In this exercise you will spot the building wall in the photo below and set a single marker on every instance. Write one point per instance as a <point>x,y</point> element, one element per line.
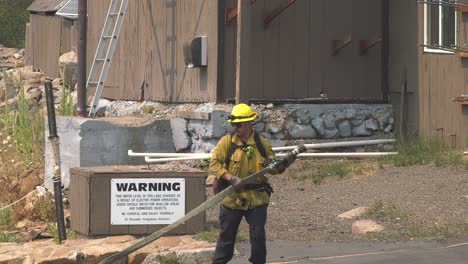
<point>292,57</point>
<point>442,76</point>
<point>44,43</point>
<point>403,63</point>
<point>148,62</point>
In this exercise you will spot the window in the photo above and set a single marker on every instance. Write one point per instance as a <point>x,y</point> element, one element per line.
<point>440,26</point>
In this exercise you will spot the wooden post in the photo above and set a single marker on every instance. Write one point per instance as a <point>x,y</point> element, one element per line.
<point>242,50</point>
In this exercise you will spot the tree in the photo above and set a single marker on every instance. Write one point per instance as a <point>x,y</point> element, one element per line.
<point>13,19</point>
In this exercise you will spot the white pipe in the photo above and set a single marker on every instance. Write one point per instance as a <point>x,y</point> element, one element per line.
<point>302,155</point>
<point>161,155</point>
<point>161,160</point>
<point>343,154</point>
<point>339,144</point>
<point>308,146</point>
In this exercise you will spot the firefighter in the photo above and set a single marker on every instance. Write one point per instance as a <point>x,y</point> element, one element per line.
<point>237,156</point>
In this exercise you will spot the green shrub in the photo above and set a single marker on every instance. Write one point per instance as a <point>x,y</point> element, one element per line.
<point>45,208</point>
<point>6,237</point>
<point>25,126</point>
<point>7,222</point>
<point>52,229</point>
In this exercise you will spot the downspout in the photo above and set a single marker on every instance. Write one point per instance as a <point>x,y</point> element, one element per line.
<point>220,94</point>
<point>385,49</point>
<point>82,39</point>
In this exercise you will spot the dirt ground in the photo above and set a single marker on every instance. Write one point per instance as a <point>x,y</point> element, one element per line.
<point>424,199</point>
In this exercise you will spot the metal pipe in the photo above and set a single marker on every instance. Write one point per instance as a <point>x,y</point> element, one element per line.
<point>339,144</point>
<point>308,146</point>
<point>82,40</point>
<point>343,154</point>
<point>162,155</point>
<point>302,155</point>
<point>55,161</point>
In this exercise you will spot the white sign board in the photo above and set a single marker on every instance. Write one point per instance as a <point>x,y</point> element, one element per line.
<point>147,201</point>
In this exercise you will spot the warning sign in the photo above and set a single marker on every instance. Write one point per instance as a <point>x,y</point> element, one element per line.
<point>144,201</point>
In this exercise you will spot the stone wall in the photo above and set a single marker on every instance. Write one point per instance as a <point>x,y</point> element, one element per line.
<point>298,122</point>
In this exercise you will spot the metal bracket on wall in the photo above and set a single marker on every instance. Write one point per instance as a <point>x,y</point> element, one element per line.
<point>231,13</point>
<point>338,45</point>
<point>365,45</point>
<point>278,10</point>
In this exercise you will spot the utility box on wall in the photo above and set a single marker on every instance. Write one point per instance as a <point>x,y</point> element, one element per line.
<point>135,200</point>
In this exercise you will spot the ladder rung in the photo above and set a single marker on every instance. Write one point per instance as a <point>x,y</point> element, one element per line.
<point>109,37</point>
<point>94,83</point>
<point>116,14</point>
<point>102,60</point>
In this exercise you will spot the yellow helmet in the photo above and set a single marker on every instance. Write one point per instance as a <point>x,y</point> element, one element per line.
<point>242,113</point>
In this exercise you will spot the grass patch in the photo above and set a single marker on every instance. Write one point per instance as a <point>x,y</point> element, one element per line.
<point>6,237</point>
<point>52,229</point>
<point>147,109</point>
<point>410,152</point>
<point>212,236</point>
<point>45,209</point>
<point>22,135</point>
<point>169,259</point>
<point>67,106</point>
<point>386,213</point>
<point>319,171</point>
<point>418,152</point>
<point>401,225</point>
<point>7,222</point>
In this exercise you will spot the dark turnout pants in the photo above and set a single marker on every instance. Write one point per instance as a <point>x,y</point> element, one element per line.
<point>229,221</point>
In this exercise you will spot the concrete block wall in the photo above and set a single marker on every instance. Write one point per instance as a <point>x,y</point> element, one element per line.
<point>93,142</point>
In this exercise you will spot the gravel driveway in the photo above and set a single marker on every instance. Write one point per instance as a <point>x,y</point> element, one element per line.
<point>301,210</point>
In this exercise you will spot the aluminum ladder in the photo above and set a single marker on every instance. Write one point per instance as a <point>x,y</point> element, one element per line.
<point>106,47</point>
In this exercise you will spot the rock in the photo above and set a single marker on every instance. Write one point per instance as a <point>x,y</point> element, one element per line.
<point>17,56</point>
<point>329,121</point>
<point>317,124</point>
<point>103,104</point>
<point>353,213</point>
<point>180,135</point>
<point>350,113</point>
<point>34,94</point>
<point>345,128</point>
<point>259,127</point>
<point>68,68</point>
<point>302,132</point>
<point>279,136</point>
<point>265,135</point>
<point>361,130</point>
<point>371,124</point>
<point>27,235</point>
<point>388,129</point>
<point>269,106</point>
<point>303,117</point>
<point>24,223</point>
<point>272,128</point>
<point>366,226</point>
<point>331,133</point>
<point>357,121</point>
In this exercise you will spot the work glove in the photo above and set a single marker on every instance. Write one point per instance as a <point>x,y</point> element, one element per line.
<point>236,183</point>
